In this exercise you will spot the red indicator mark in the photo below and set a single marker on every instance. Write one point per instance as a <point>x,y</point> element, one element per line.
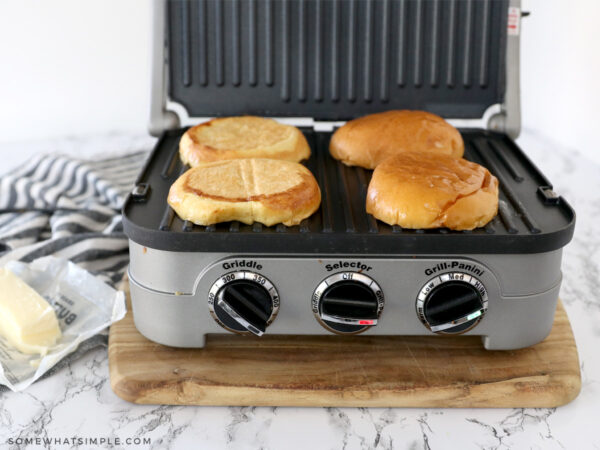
<point>365,322</point>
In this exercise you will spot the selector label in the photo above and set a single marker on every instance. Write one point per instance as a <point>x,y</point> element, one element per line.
<point>361,267</point>
<point>454,265</point>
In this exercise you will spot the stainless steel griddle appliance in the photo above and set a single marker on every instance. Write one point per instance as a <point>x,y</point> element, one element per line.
<point>317,63</point>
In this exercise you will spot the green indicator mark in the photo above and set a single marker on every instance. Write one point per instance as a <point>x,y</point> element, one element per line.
<point>474,315</point>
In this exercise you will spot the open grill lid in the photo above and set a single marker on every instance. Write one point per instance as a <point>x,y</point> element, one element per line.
<point>334,60</point>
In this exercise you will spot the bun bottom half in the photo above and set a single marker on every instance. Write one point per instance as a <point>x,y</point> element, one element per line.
<point>247,190</point>
<point>240,138</point>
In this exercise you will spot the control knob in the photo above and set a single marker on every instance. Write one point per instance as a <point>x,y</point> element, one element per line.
<point>243,302</point>
<point>452,303</point>
<point>347,302</point>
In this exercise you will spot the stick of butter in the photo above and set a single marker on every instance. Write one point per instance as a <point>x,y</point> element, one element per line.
<point>27,321</point>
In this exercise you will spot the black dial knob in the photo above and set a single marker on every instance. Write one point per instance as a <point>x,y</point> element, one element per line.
<point>452,303</point>
<point>244,302</point>
<point>348,302</point>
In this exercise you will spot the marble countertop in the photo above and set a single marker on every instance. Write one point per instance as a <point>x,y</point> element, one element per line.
<point>77,402</point>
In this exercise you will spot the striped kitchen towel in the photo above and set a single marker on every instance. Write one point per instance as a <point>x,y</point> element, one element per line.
<point>67,207</point>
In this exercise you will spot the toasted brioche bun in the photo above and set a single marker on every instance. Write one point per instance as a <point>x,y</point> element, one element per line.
<point>268,191</point>
<point>424,190</point>
<point>242,137</point>
<point>368,140</point>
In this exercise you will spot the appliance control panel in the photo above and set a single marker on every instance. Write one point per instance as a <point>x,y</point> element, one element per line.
<point>508,301</point>
<point>346,296</point>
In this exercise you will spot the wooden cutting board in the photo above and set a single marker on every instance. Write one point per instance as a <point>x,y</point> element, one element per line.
<point>345,371</point>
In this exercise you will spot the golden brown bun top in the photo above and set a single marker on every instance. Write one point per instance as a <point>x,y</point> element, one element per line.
<point>424,190</point>
<point>369,140</point>
<point>438,175</point>
<point>242,137</point>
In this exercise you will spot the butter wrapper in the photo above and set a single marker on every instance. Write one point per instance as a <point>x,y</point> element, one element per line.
<point>84,306</point>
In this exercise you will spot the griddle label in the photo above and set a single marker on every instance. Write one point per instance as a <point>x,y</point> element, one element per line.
<point>361,267</point>
<point>236,264</point>
<point>454,265</point>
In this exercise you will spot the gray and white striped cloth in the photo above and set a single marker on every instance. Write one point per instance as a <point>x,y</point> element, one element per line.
<point>68,207</point>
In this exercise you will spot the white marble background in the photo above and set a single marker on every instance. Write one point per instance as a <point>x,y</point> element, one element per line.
<point>78,401</point>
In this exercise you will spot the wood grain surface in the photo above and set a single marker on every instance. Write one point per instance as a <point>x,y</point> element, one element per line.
<point>332,370</point>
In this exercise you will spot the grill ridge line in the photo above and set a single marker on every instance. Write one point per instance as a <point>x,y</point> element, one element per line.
<point>323,181</point>
<point>508,191</point>
<point>362,183</point>
<point>169,214</point>
<point>503,211</point>
<point>347,204</point>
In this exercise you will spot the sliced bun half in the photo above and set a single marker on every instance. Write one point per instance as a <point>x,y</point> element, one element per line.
<point>242,137</point>
<point>268,191</point>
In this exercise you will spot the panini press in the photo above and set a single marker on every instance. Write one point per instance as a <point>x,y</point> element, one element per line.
<point>317,64</point>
